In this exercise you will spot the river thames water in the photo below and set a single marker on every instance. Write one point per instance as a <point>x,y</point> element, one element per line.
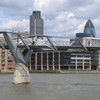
<point>52,87</point>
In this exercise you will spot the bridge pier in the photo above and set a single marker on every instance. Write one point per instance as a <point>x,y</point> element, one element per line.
<point>21,74</point>
<point>97,58</point>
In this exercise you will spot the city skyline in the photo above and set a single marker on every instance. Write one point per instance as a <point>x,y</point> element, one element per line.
<point>66,18</point>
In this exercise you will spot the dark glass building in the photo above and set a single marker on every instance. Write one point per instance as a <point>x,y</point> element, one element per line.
<point>89,30</point>
<point>36,23</point>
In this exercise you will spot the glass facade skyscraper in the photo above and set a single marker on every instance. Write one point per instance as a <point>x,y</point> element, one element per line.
<point>89,30</point>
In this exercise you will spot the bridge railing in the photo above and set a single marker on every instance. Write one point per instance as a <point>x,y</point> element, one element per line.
<point>91,42</point>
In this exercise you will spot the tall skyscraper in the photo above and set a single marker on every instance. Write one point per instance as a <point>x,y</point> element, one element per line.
<point>89,30</point>
<point>36,23</point>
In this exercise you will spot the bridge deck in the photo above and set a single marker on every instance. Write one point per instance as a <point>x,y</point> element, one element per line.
<point>58,47</point>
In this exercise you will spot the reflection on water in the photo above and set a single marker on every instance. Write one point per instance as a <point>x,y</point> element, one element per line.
<point>52,87</point>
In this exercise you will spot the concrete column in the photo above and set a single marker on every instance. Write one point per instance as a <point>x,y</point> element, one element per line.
<point>59,60</point>
<point>36,61</point>
<point>41,61</point>
<point>76,63</point>
<point>90,64</point>
<point>47,62</point>
<point>6,60</point>
<point>97,56</point>
<point>53,62</point>
<point>83,62</point>
<point>68,67</point>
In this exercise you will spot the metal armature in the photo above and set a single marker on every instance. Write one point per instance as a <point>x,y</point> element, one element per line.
<point>21,73</point>
<point>77,39</point>
<point>48,39</point>
<point>54,47</point>
<point>82,45</point>
<point>18,57</point>
<point>26,45</point>
<point>2,45</point>
<point>51,43</point>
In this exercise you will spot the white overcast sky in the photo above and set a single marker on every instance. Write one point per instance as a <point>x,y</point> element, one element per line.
<point>61,17</point>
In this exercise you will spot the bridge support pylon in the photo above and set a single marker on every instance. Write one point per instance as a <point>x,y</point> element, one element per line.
<point>21,74</point>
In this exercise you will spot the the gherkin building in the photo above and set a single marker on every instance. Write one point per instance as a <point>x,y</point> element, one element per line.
<point>89,29</point>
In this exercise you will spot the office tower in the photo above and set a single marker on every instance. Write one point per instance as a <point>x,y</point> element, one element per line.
<point>89,30</point>
<point>36,23</point>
